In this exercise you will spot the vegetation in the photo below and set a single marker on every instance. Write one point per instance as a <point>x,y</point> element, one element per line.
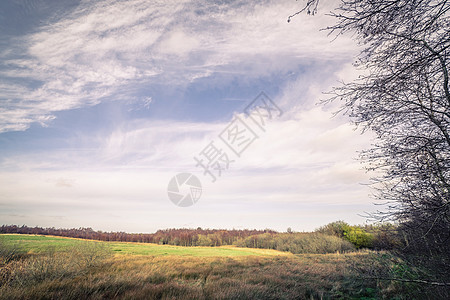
<point>37,244</point>
<point>96,271</point>
<point>298,243</point>
<point>334,237</point>
<point>403,97</point>
<point>380,237</point>
<point>178,237</point>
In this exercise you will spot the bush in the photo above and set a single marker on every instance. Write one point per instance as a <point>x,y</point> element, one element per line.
<point>297,243</point>
<point>385,236</point>
<point>359,236</point>
<point>317,243</point>
<point>334,228</point>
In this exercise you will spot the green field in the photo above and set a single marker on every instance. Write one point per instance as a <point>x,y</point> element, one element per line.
<point>47,267</point>
<point>42,244</point>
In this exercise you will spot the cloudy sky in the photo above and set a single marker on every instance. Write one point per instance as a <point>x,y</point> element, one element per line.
<point>103,102</point>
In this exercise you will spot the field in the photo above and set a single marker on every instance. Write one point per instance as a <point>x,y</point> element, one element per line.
<point>45,267</point>
<point>42,244</point>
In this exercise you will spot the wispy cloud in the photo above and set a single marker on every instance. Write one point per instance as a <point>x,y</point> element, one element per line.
<point>298,164</point>
<point>109,50</point>
<point>146,56</point>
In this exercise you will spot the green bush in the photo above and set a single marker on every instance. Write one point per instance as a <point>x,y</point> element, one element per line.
<point>358,237</point>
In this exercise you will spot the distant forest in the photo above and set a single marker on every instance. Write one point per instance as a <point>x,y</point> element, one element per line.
<point>179,237</point>
<point>333,237</point>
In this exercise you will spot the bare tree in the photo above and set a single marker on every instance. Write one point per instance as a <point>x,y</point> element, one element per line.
<point>404,99</point>
<point>310,7</point>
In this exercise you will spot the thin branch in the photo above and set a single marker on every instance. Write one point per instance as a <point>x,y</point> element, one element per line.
<point>411,280</point>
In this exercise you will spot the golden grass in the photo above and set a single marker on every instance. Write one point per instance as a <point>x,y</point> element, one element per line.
<point>267,274</point>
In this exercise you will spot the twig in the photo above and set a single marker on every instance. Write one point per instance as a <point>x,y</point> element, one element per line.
<point>412,280</point>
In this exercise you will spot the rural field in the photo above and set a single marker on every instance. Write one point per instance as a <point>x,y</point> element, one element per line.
<point>276,149</point>
<point>47,267</point>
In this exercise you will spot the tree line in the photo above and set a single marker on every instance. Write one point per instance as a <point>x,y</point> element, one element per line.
<point>333,237</point>
<point>178,237</point>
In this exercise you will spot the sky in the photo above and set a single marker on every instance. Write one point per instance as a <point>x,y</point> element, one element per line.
<point>102,103</point>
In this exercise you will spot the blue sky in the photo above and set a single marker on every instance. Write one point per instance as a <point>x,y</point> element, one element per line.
<point>103,102</point>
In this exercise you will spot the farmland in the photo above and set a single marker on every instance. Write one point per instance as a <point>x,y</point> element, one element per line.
<point>43,244</point>
<point>46,267</point>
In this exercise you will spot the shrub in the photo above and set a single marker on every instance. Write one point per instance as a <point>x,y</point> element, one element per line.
<point>297,243</point>
<point>358,237</point>
<point>336,228</point>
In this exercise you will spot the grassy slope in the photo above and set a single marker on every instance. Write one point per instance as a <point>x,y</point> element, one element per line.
<point>40,243</point>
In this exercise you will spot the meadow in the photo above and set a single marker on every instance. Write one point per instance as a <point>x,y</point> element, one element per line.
<point>44,244</point>
<point>46,267</point>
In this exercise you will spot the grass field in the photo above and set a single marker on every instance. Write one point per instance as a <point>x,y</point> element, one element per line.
<point>42,244</point>
<point>45,267</point>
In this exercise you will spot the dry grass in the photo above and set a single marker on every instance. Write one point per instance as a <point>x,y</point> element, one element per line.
<point>92,273</point>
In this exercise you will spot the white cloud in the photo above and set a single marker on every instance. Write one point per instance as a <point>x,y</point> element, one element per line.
<point>179,43</point>
<point>106,51</point>
<point>297,165</point>
<point>104,48</point>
